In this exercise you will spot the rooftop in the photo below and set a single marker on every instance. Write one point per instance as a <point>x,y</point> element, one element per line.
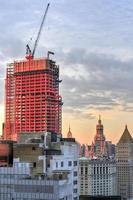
<point>126,137</point>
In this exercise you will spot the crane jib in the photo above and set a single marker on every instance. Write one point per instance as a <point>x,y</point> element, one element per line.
<point>29,53</point>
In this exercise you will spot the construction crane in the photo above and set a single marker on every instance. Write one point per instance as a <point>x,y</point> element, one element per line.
<point>30,54</point>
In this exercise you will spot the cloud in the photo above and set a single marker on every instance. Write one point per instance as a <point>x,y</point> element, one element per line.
<point>93,76</point>
<point>96,81</point>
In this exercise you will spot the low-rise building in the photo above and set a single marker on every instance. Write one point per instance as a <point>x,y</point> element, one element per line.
<point>16,183</point>
<point>44,168</point>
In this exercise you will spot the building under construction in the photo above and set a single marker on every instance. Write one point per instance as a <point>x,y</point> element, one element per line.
<point>32,100</point>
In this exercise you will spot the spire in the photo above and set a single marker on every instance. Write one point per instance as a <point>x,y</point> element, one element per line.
<point>69,128</point>
<point>99,117</point>
<point>99,121</point>
<point>126,137</point>
<point>99,131</point>
<point>99,127</point>
<point>69,134</point>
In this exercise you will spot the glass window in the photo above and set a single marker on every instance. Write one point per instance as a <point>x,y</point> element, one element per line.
<point>75,163</point>
<point>69,163</point>
<point>75,182</point>
<point>56,164</point>
<point>75,190</point>
<point>34,148</point>
<point>81,170</point>
<point>34,164</point>
<point>62,164</point>
<point>86,170</point>
<point>75,173</point>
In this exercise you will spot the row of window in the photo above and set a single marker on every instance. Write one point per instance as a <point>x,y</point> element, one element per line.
<point>75,163</point>
<point>96,170</point>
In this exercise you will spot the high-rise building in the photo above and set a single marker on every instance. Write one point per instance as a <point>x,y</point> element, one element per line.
<point>124,159</point>
<point>99,140</point>
<point>110,149</point>
<point>82,150</point>
<point>100,147</point>
<point>97,177</point>
<point>32,100</point>
<point>97,148</point>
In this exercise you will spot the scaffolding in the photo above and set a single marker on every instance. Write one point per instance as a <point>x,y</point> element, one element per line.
<point>33,103</point>
<point>9,102</point>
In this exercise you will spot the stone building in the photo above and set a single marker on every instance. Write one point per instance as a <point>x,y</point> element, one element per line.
<point>97,177</point>
<point>124,158</point>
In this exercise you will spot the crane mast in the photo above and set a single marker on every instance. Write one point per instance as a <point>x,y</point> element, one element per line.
<point>30,54</point>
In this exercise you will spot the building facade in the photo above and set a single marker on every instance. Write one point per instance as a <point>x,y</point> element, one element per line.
<point>16,184</point>
<point>85,197</point>
<point>97,177</point>
<point>32,100</point>
<point>124,159</point>
<point>68,161</point>
<point>6,153</point>
<point>45,167</point>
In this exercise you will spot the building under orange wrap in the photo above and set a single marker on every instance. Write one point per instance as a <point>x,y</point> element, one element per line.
<point>32,100</point>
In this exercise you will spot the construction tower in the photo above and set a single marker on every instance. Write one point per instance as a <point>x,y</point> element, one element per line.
<point>32,100</point>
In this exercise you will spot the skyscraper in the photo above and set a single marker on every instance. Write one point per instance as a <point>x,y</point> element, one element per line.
<point>32,100</point>
<point>99,139</point>
<point>124,158</point>
<point>98,147</point>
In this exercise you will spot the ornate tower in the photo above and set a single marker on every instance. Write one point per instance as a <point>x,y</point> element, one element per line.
<point>69,134</point>
<point>98,148</point>
<point>99,139</point>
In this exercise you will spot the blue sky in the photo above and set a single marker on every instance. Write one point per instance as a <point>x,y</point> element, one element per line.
<point>93,44</point>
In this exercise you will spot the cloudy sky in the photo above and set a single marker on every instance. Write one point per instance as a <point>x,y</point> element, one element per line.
<point>93,44</point>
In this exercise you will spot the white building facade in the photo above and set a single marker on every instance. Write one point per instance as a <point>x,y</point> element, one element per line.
<point>97,177</point>
<point>57,181</point>
<point>68,161</point>
<point>16,184</point>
